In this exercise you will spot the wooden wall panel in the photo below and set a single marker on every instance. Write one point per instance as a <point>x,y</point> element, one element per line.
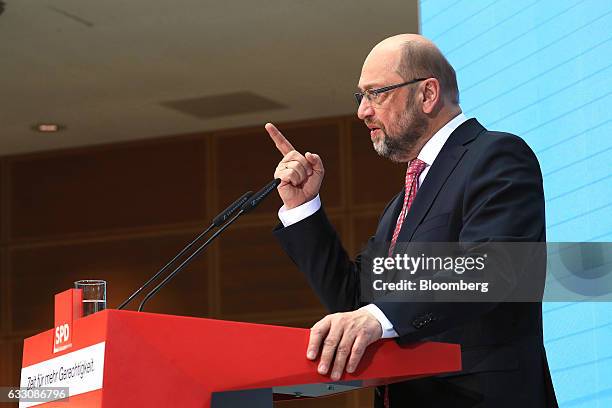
<point>374,179</point>
<point>39,272</point>
<point>4,220</point>
<point>100,189</point>
<point>10,362</point>
<point>246,160</point>
<point>258,277</point>
<point>4,294</point>
<point>5,364</point>
<point>15,350</point>
<point>306,321</point>
<point>120,212</point>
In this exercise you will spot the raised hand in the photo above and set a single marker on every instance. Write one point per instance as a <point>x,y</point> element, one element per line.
<point>301,175</point>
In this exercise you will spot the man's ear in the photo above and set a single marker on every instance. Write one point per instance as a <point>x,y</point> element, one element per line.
<point>430,92</point>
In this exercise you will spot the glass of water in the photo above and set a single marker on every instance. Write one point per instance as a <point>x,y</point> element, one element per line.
<point>94,295</point>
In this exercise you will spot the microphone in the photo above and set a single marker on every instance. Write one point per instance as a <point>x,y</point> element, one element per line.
<point>251,203</point>
<point>260,195</point>
<point>232,208</point>
<point>216,222</point>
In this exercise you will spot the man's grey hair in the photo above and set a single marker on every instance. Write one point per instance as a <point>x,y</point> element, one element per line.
<point>420,60</point>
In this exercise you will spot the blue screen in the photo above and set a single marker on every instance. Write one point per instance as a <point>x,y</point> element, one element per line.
<point>543,70</point>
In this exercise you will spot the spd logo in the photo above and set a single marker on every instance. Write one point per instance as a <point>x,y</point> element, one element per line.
<point>62,338</point>
<point>67,309</point>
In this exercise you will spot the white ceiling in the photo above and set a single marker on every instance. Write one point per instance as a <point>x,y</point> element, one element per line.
<point>103,68</point>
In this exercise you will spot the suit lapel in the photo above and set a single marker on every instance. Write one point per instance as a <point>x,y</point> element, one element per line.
<point>443,166</point>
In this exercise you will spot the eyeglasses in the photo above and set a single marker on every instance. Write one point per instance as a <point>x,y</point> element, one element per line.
<point>373,95</point>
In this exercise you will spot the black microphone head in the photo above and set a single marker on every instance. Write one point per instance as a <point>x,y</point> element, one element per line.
<point>260,195</point>
<point>232,208</point>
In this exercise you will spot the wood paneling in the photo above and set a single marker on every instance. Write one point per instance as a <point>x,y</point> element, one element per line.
<point>10,361</point>
<point>305,322</point>
<point>15,350</point>
<point>4,294</point>
<point>120,212</point>
<point>39,272</point>
<point>100,189</point>
<point>374,179</point>
<point>258,277</point>
<point>4,219</point>
<point>5,365</point>
<point>246,160</point>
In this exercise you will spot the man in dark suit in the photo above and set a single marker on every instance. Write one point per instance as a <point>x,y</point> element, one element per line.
<point>463,184</point>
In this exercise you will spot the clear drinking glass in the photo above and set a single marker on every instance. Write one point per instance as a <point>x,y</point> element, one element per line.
<point>94,295</point>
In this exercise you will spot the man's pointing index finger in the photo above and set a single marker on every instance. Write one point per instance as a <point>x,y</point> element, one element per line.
<point>282,144</point>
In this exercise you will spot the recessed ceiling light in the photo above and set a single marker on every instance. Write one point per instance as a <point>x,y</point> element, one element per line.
<point>48,127</point>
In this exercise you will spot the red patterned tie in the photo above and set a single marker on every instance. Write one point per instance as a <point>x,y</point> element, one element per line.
<point>415,168</point>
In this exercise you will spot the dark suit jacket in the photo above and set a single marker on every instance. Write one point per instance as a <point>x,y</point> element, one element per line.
<point>483,187</point>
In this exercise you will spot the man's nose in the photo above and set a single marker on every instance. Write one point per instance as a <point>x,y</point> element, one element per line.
<point>365,109</point>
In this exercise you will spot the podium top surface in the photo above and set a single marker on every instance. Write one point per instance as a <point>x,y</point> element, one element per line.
<point>201,355</point>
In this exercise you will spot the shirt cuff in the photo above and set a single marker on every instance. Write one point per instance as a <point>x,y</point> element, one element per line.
<point>299,213</point>
<point>387,327</point>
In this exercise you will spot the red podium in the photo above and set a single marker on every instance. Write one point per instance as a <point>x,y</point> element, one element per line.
<point>129,359</point>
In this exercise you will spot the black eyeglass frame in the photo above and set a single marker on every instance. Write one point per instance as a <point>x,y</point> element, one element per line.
<point>359,95</point>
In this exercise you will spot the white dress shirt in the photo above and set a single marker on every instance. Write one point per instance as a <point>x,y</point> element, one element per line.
<point>428,154</point>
